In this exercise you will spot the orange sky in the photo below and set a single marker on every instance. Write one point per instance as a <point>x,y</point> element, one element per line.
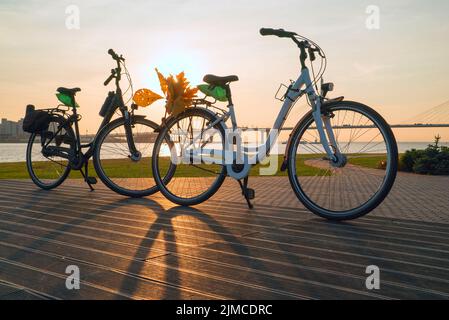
<point>400,69</point>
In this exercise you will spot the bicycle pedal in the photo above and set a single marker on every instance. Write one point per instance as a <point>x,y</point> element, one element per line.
<point>91,180</point>
<point>250,193</point>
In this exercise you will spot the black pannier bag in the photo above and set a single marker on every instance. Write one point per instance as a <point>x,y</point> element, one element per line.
<point>36,121</point>
<point>108,104</point>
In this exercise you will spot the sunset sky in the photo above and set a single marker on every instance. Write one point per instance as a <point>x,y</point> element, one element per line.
<point>401,69</point>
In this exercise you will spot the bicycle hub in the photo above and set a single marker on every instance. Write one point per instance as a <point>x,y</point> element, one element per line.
<point>340,162</point>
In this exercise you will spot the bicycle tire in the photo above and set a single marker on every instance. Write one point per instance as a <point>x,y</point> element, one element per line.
<point>164,131</point>
<point>29,162</point>
<point>388,180</point>
<point>101,172</point>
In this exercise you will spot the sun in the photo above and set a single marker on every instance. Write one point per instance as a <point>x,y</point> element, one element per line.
<point>173,61</point>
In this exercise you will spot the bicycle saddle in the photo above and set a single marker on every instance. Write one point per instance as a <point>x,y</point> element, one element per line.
<point>219,81</point>
<point>70,92</point>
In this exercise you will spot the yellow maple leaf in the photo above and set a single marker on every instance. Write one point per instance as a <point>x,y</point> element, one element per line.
<point>177,91</point>
<point>162,81</point>
<point>178,106</point>
<point>145,97</point>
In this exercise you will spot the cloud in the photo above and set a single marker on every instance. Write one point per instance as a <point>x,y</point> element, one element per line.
<point>369,69</point>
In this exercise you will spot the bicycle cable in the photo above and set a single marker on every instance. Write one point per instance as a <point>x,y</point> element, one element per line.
<point>323,65</point>
<point>130,86</point>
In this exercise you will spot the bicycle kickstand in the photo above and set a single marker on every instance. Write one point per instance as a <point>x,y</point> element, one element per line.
<point>248,193</point>
<point>89,180</point>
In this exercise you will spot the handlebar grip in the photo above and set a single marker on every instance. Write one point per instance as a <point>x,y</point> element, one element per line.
<point>109,79</point>
<point>113,54</point>
<point>281,33</point>
<point>266,31</point>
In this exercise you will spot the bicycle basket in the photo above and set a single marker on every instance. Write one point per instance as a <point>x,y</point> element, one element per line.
<point>216,92</point>
<point>36,121</point>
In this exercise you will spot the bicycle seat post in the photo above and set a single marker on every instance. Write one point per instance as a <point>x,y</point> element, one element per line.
<point>228,94</point>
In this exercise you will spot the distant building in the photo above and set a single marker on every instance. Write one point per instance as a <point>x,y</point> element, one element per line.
<point>11,130</point>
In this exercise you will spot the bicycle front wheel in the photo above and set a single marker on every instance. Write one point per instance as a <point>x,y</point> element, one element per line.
<point>196,137</point>
<point>361,180</point>
<point>117,169</point>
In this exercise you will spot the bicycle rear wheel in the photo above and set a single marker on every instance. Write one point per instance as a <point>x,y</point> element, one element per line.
<point>47,170</point>
<point>358,184</point>
<point>114,164</point>
<point>195,179</point>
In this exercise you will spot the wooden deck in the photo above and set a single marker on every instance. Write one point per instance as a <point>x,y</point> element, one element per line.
<point>150,249</point>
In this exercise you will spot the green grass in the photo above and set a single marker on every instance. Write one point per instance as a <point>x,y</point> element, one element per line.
<point>13,170</point>
<point>368,162</point>
<point>124,168</point>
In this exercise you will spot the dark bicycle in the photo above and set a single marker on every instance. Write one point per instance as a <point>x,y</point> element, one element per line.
<point>121,149</point>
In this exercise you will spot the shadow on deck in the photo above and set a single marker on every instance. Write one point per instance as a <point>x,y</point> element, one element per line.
<point>150,249</point>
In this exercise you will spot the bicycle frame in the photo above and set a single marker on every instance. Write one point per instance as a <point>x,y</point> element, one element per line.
<point>294,92</point>
<point>73,119</point>
<point>114,104</point>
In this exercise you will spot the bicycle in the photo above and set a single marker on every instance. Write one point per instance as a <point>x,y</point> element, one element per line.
<point>341,156</point>
<point>121,148</point>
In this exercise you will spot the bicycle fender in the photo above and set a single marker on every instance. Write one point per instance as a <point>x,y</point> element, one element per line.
<point>171,118</point>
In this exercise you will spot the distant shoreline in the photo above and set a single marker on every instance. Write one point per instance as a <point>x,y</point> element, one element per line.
<point>25,140</point>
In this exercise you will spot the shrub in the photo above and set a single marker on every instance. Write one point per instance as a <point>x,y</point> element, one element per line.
<point>433,160</point>
<point>409,158</point>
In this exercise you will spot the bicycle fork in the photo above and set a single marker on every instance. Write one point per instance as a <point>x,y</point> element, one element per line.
<point>135,155</point>
<point>327,137</point>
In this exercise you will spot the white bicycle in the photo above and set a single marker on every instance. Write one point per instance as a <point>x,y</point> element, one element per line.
<point>341,157</point>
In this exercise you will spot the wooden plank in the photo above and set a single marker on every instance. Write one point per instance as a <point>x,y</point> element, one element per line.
<point>149,248</point>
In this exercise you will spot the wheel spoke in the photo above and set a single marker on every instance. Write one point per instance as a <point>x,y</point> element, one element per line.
<point>114,162</point>
<point>192,180</point>
<point>48,171</point>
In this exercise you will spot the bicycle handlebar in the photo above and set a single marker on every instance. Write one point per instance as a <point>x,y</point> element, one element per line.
<point>115,56</point>
<point>115,73</point>
<point>281,33</point>
<point>302,45</point>
<point>112,76</point>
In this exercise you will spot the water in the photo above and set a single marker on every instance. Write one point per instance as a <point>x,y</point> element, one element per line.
<point>16,152</point>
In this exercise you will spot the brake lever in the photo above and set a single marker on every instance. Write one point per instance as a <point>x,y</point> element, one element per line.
<point>311,54</point>
<point>320,53</point>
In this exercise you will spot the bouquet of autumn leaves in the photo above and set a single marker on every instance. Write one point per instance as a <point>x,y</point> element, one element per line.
<point>178,94</point>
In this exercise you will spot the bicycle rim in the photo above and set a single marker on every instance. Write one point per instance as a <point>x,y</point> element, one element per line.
<point>115,165</point>
<point>196,178</point>
<point>49,171</point>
